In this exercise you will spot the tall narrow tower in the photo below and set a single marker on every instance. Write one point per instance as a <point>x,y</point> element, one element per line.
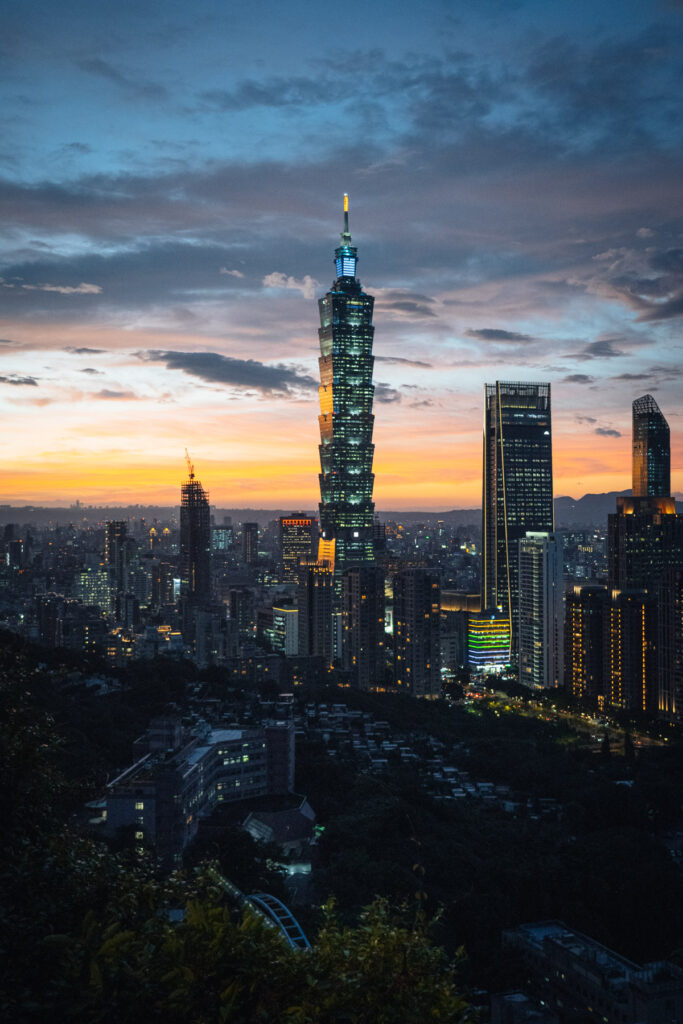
<point>518,487</point>
<point>195,541</point>
<point>346,419</point>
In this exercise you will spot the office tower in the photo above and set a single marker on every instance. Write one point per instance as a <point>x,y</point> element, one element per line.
<point>243,612</point>
<point>195,541</point>
<point>363,655</point>
<point>284,631</point>
<point>586,627</point>
<point>297,535</point>
<point>630,650</point>
<point>518,487</point>
<point>488,641</point>
<point>417,632</point>
<point>541,611</point>
<point>221,539</point>
<point>346,419</point>
<point>116,554</point>
<point>651,450</point>
<point>670,645</point>
<point>314,598</point>
<point>250,543</point>
<point>645,535</point>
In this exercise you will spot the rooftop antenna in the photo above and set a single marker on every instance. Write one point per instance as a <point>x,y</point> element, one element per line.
<point>190,467</point>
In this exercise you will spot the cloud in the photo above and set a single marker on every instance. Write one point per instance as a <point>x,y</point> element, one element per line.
<point>385,393</point>
<point>306,286</point>
<point>632,376</point>
<point>8,341</point>
<point>399,360</point>
<point>607,432</point>
<point>644,232</point>
<point>137,87</point>
<point>586,419</point>
<point>89,369</point>
<point>81,289</point>
<point>603,349</point>
<point>405,303</point>
<point>231,273</point>
<point>108,394</point>
<point>19,381</point>
<point>577,378</point>
<point>496,334</point>
<point>241,373</point>
<point>83,351</point>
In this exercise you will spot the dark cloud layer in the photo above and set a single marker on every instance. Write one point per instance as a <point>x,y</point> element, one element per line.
<point>19,381</point>
<point>607,432</point>
<point>496,334</point>
<point>240,373</point>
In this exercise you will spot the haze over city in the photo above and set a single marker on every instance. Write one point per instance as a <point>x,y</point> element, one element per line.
<point>171,196</point>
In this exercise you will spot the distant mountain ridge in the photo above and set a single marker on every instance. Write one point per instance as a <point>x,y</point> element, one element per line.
<point>589,511</point>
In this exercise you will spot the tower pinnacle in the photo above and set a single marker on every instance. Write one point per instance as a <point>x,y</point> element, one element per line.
<point>346,234</point>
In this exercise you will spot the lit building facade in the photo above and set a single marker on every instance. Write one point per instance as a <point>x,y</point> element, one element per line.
<point>346,419</point>
<point>314,598</point>
<point>541,611</point>
<point>417,632</point>
<point>363,654</point>
<point>250,543</point>
<point>670,645</point>
<point>586,626</point>
<point>631,651</point>
<point>651,468</point>
<point>518,487</point>
<point>488,641</point>
<point>296,541</point>
<point>195,541</point>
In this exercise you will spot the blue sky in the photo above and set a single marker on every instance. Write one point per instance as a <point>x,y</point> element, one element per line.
<point>170,190</point>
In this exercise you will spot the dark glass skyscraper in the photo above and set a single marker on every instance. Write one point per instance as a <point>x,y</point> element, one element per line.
<point>346,419</point>
<point>518,487</point>
<point>195,541</point>
<point>651,450</point>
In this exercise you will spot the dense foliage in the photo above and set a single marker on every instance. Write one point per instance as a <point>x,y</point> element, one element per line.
<point>94,937</point>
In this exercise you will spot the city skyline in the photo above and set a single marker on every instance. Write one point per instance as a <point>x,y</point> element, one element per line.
<point>167,207</point>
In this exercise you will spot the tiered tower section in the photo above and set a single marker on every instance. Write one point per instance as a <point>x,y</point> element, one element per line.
<point>346,419</point>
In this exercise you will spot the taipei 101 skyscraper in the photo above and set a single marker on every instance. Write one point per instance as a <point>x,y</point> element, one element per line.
<point>346,419</point>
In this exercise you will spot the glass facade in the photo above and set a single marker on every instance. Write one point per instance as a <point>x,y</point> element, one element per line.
<point>195,541</point>
<point>346,418</point>
<point>651,450</point>
<point>518,487</point>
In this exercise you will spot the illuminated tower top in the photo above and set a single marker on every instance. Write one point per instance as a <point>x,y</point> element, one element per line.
<point>346,255</point>
<point>651,450</point>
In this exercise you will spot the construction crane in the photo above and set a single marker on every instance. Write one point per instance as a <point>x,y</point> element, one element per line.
<point>190,467</point>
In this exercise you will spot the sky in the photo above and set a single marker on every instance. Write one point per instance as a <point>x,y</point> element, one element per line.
<point>171,183</point>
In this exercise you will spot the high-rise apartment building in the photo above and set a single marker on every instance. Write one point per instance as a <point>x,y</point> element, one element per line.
<point>670,645</point>
<point>541,611</point>
<point>346,419</point>
<point>363,655</point>
<point>586,627</point>
<point>630,650</point>
<point>116,554</point>
<point>417,632</point>
<point>250,543</point>
<point>195,542</point>
<point>518,487</point>
<point>314,598</point>
<point>297,535</point>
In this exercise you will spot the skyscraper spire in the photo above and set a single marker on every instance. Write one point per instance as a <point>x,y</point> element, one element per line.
<point>346,234</point>
<point>346,419</point>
